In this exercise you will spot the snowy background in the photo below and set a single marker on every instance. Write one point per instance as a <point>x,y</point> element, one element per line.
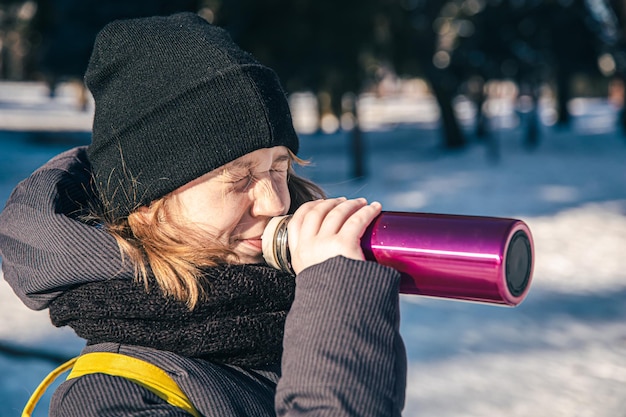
<point>562,352</point>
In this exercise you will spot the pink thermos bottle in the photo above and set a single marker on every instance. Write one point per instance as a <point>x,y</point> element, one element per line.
<point>472,258</point>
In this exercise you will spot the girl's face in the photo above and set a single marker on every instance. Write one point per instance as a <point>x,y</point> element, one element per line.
<point>233,203</point>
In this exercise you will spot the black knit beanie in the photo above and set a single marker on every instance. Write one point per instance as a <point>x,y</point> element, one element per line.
<point>175,98</point>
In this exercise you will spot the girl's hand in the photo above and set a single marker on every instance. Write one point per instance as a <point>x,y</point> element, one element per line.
<point>322,229</point>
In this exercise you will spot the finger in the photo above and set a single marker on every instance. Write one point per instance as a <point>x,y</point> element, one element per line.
<point>311,205</point>
<point>358,222</point>
<point>307,215</point>
<point>335,219</point>
<point>315,217</point>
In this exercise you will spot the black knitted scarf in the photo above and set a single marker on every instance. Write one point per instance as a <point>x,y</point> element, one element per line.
<point>240,322</point>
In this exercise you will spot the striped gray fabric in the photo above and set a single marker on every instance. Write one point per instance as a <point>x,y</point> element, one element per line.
<point>343,356</point>
<point>44,247</point>
<point>343,352</point>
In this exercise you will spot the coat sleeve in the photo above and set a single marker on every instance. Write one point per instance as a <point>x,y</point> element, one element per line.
<point>45,247</point>
<point>343,354</point>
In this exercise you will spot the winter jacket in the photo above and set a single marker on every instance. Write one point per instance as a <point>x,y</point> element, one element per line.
<point>342,351</point>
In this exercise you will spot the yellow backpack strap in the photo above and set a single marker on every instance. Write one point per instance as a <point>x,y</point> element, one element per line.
<point>136,370</point>
<point>39,391</point>
<point>140,372</point>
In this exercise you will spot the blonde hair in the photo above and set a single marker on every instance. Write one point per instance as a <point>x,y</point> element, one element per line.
<point>150,238</point>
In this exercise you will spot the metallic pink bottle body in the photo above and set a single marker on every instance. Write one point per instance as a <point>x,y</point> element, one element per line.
<point>472,258</point>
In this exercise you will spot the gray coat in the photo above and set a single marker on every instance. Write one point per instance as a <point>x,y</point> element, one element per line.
<point>343,354</point>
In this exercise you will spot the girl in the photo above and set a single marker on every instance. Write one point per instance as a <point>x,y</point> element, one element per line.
<point>147,243</point>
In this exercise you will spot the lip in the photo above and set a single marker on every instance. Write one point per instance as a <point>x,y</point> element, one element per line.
<point>254,242</point>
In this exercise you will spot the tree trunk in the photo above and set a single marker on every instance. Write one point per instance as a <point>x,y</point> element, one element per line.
<point>532,122</point>
<point>453,137</point>
<point>562,96</point>
<point>357,148</point>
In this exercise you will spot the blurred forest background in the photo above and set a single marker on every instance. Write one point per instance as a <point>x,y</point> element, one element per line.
<point>339,50</point>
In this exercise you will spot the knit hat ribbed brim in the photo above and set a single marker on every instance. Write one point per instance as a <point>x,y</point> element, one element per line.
<point>176,98</point>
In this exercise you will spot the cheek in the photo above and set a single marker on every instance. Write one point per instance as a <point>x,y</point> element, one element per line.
<point>213,212</point>
<point>221,215</point>
<point>285,195</point>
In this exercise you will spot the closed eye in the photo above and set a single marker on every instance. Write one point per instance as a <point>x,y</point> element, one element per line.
<point>281,164</point>
<point>243,175</point>
<point>246,181</point>
<point>239,182</point>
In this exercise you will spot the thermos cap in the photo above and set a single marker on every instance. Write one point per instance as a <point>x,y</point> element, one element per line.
<point>519,265</point>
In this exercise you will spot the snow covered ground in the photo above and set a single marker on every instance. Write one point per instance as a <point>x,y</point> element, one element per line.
<point>562,352</point>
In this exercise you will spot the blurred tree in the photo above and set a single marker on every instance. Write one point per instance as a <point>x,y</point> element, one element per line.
<point>420,30</point>
<point>469,42</point>
<point>337,47</point>
<point>64,31</point>
<point>610,16</point>
<point>341,48</point>
<point>15,30</point>
<point>51,40</point>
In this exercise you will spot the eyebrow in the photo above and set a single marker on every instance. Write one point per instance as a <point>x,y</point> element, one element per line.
<point>282,158</point>
<point>250,164</point>
<point>241,164</point>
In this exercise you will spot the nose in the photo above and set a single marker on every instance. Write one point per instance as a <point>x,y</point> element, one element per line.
<point>268,200</point>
